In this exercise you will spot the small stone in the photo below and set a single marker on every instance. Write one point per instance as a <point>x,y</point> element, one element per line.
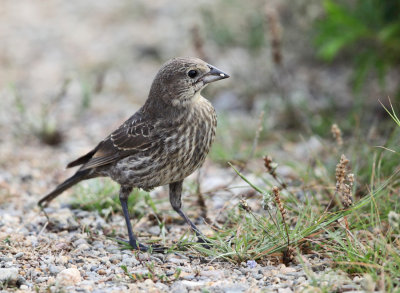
<point>178,287</point>
<point>19,255</point>
<point>299,280</point>
<point>94,268</point>
<point>284,277</point>
<point>186,276</point>
<point>213,274</point>
<point>101,272</point>
<point>21,281</point>
<point>54,269</point>
<point>63,259</point>
<point>130,262</point>
<point>144,256</point>
<point>258,276</point>
<point>69,277</point>
<point>357,279</point>
<point>234,289</point>
<point>114,259</point>
<point>178,261</point>
<point>83,246</point>
<point>79,242</point>
<point>367,283</point>
<point>9,275</point>
<point>41,279</point>
<point>285,270</point>
<point>349,287</point>
<point>285,290</point>
<point>275,280</point>
<point>193,284</point>
<point>23,287</point>
<point>63,220</point>
<point>154,230</point>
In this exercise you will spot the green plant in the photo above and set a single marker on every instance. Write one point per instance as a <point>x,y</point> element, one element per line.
<point>367,30</point>
<point>102,195</point>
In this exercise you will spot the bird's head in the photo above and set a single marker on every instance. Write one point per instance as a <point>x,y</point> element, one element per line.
<point>181,79</point>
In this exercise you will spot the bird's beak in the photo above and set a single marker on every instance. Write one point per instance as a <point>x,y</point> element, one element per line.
<point>213,75</point>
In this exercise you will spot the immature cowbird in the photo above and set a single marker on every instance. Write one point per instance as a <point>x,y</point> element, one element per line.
<point>162,143</point>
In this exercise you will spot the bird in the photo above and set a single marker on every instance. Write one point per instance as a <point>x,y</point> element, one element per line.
<point>164,142</point>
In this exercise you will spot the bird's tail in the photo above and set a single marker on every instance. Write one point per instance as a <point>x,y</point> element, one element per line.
<point>77,177</point>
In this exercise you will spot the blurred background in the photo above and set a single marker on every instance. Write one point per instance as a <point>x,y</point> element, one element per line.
<point>71,71</point>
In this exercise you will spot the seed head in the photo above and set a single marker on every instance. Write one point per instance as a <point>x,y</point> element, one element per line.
<point>344,182</point>
<point>337,134</point>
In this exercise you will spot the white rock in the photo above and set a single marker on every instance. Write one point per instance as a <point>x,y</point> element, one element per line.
<point>23,287</point>
<point>69,277</point>
<point>9,275</point>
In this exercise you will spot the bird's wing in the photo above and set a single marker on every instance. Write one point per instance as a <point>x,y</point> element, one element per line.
<point>135,135</point>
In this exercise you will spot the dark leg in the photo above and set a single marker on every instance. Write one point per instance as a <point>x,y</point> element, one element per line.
<point>175,192</point>
<point>123,197</point>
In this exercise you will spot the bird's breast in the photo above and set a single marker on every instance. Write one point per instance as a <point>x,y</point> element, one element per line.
<point>194,137</point>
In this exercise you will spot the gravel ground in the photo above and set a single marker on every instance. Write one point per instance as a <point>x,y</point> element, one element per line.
<point>71,253</point>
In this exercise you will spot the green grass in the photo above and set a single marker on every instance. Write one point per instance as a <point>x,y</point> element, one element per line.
<point>102,195</point>
<point>360,240</point>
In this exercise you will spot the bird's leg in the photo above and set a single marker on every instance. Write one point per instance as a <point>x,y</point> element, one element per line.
<point>133,241</point>
<point>175,192</point>
<point>123,198</point>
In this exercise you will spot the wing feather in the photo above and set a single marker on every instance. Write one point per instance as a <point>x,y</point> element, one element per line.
<point>134,136</point>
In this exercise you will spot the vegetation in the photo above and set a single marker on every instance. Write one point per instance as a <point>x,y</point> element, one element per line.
<point>368,31</point>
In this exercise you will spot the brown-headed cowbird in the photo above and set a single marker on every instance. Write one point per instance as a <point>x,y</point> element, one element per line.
<point>165,141</point>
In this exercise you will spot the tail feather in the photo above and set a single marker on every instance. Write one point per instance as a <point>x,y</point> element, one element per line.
<point>77,177</point>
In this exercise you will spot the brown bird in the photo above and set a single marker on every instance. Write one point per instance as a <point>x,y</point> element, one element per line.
<point>165,141</point>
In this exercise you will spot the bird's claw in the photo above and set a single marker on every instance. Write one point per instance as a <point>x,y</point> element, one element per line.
<point>144,248</point>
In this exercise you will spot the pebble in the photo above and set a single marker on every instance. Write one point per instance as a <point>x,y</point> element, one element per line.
<point>63,220</point>
<point>178,287</point>
<point>21,281</point>
<point>284,277</point>
<point>285,290</point>
<point>178,261</point>
<point>69,277</point>
<point>19,255</point>
<point>234,289</point>
<point>130,262</point>
<point>144,256</point>
<point>41,279</point>
<point>8,275</point>
<point>154,230</point>
<point>53,269</point>
<point>79,242</point>
<point>213,274</point>
<point>83,246</point>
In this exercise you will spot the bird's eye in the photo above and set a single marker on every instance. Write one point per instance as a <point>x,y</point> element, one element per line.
<point>192,73</point>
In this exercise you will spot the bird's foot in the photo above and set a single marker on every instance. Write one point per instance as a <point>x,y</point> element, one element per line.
<point>144,248</point>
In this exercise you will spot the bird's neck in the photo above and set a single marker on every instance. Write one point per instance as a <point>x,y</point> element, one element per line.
<point>160,108</point>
